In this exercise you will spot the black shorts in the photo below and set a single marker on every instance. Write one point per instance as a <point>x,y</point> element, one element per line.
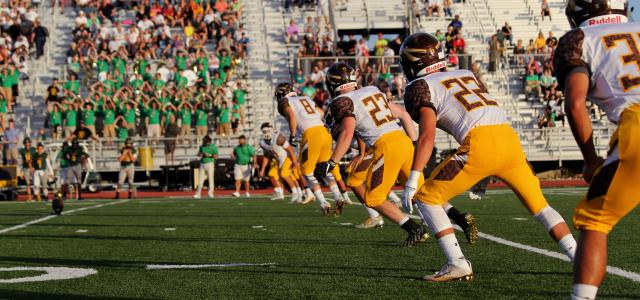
<point>234,124</point>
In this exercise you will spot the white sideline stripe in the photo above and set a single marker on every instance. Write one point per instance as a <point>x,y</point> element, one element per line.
<point>23,225</point>
<point>164,267</point>
<point>51,273</point>
<point>611,270</point>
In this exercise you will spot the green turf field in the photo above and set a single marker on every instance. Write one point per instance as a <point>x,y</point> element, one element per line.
<point>311,256</point>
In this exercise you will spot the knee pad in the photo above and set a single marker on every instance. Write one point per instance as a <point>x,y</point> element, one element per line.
<point>434,216</point>
<point>549,217</point>
<point>311,180</point>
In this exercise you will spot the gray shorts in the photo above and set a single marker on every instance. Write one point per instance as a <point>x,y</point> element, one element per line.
<point>126,173</point>
<point>74,174</point>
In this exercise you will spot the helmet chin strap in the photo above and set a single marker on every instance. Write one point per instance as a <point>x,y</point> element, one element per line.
<point>345,86</point>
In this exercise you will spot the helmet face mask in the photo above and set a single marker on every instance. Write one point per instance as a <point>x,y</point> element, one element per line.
<point>340,76</point>
<point>421,54</point>
<point>594,12</point>
<point>282,90</point>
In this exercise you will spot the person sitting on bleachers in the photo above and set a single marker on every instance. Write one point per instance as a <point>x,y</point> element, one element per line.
<point>532,86</point>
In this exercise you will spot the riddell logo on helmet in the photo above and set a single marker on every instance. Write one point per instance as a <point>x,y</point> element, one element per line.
<point>611,19</point>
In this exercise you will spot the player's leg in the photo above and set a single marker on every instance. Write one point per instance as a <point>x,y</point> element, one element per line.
<point>310,150</point>
<point>121,178</point>
<point>201,177</point>
<point>36,185</point>
<point>274,177</point>
<point>452,177</point>
<point>131,172</point>
<point>389,155</point>
<point>527,187</point>
<point>612,195</point>
<point>356,180</point>
<point>210,167</point>
<point>286,173</point>
<point>43,182</point>
<point>27,178</point>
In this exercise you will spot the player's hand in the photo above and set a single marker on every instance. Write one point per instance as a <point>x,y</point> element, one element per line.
<point>355,162</point>
<point>410,188</point>
<point>323,168</point>
<point>590,169</point>
<point>293,141</point>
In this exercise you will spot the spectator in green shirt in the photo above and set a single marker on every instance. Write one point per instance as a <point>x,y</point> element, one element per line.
<point>153,119</point>
<point>186,111</point>
<point>158,83</point>
<point>216,82</point>
<point>240,97</point>
<point>181,61</point>
<point>55,121</point>
<point>225,59</point>
<point>224,120</point>
<point>3,110</point>
<point>308,90</point>
<point>6,84</point>
<point>201,120</point>
<point>235,117</point>
<point>245,157</point>
<point>532,88</point>
<point>109,127</point>
<point>89,117</point>
<point>70,118</point>
<point>208,153</point>
<point>181,81</point>
<point>73,85</point>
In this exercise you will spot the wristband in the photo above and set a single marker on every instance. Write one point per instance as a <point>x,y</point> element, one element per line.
<point>412,181</point>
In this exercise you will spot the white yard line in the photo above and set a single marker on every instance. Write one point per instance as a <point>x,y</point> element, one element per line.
<point>611,270</point>
<point>23,225</point>
<point>163,267</point>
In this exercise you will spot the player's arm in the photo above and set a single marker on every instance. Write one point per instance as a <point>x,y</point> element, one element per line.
<point>401,114</point>
<point>291,120</point>
<point>343,111</point>
<point>573,75</point>
<point>263,165</point>
<point>426,139</point>
<point>281,141</point>
<point>575,91</point>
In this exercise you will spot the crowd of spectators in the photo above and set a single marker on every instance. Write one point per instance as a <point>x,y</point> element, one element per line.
<point>173,63</point>
<point>22,37</point>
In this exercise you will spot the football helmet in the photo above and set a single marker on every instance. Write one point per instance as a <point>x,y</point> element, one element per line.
<point>283,89</point>
<point>594,12</point>
<point>340,76</point>
<point>267,131</point>
<point>421,54</point>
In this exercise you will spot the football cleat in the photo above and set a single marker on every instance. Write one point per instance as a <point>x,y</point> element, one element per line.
<point>474,196</point>
<point>371,223</point>
<point>339,208</point>
<point>236,194</point>
<point>417,235</point>
<point>210,195</point>
<point>468,226</point>
<point>326,210</point>
<point>309,200</point>
<point>196,196</point>
<point>451,273</point>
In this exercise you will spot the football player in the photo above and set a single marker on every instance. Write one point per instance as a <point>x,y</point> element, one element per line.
<point>366,113</point>
<point>458,103</point>
<point>599,60</point>
<point>42,170</point>
<point>302,115</point>
<point>128,157</point>
<point>284,162</point>
<point>27,154</point>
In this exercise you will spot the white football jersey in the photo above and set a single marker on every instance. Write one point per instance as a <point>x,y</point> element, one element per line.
<point>611,55</point>
<point>371,110</point>
<point>460,101</point>
<point>305,111</point>
<point>271,146</point>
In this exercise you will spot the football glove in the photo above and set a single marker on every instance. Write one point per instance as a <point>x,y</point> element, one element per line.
<point>409,191</point>
<point>322,169</point>
<point>293,141</point>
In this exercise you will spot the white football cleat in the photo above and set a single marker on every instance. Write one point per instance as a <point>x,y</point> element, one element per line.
<point>196,196</point>
<point>210,195</point>
<point>236,194</point>
<point>451,273</point>
<point>347,200</point>
<point>371,223</point>
<point>247,194</point>
<point>474,196</point>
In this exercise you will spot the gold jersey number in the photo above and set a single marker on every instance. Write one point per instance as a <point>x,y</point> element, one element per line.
<point>466,90</point>
<point>374,105</point>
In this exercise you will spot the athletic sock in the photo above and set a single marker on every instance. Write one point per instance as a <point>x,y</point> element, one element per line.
<point>279,192</point>
<point>372,213</point>
<point>393,197</point>
<point>453,213</point>
<point>336,192</point>
<point>568,245</point>
<point>320,197</point>
<point>447,207</point>
<point>308,192</point>
<point>584,292</point>
<point>345,196</point>
<point>452,251</point>
<point>299,191</point>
